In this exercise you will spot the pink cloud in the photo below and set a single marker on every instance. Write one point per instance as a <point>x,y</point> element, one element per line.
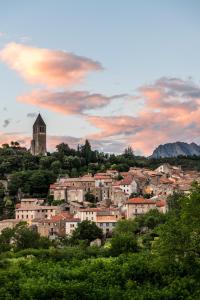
<point>171,112</point>
<point>50,67</point>
<point>68,102</point>
<point>23,139</point>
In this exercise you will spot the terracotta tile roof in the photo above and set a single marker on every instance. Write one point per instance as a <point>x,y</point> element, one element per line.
<point>161,203</point>
<point>101,174</point>
<point>165,181</point>
<point>61,216</point>
<point>89,209</point>
<point>38,207</point>
<point>140,201</point>
<point>124,173</point>
<point>107,218</point>
<point>73,220</point>
<point>53,186</point>
<point>127,180</point>
<point>98,209</point>
<point>98,177</point>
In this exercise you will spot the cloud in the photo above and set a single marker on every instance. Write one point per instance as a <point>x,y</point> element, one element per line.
<point>171,112</point>
<point>31,115</point>
<point>68,102</point>
<point>6,138</point>
<point>6,123</point>
<point>52,68</point>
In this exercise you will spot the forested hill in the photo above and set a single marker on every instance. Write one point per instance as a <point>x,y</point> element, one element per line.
<point>32,175</point>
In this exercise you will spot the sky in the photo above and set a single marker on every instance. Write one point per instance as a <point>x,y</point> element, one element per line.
<point>120,73</point>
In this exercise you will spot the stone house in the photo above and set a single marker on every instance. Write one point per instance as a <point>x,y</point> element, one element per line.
<point>139,206</point>
<point>36,212</point>
<point>71,225</point>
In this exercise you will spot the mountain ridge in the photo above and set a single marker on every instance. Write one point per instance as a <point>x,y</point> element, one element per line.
<point>175,149</point>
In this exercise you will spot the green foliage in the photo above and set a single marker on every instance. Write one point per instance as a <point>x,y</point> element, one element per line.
<point>88,231</point>
<point>90,197</point>
<point>35,182</point>
<point>128,153</point>
<point>21,237</point>
<point>123,243</point>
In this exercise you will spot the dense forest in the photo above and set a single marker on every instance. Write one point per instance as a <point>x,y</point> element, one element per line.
<point>152,257</point>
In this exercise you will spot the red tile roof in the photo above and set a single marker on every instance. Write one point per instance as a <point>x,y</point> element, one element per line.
<point>96,177</point>
<point>161,203</point>
<point>165,181</point>
<point>73,220</point>
<point>140,201</point>
<point>127,180</point>
<point>124,173</point>
<point>61,216</point>
<point>107,218</point>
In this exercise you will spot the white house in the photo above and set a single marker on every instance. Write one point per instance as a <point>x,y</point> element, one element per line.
<point>128,185</point>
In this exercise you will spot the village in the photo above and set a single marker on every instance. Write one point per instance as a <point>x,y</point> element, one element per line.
<point>104,198</point>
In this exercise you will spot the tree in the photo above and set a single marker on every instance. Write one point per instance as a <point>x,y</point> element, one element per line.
<point>34,182</point>
<point>88,231</point>
<point>86,151</point>
<point>5,239</point>
<point>173,201</point>
<point>179,237</point>
<point>63,149</point>
<point>123,243</point>
<point>46,161</point>
<point>2,191</point>
<point>56,166</point>
<point>25,238</point>
<point>90,197</point>
<point>128,153</point>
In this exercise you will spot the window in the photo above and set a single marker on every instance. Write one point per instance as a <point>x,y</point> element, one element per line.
<point>71,225</point>
<point>107,224</point>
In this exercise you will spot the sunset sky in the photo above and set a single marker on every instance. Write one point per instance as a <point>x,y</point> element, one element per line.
<point>119,73</point>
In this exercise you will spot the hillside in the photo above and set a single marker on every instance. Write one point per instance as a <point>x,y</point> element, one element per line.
<point>176,149</point>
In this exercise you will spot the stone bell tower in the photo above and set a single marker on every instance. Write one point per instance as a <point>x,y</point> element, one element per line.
<point>38,143</point>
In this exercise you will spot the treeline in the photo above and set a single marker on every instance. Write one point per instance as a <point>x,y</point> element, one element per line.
<point>152,257</point>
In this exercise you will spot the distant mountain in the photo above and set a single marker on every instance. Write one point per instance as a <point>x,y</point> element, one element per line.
<point>176,149</point>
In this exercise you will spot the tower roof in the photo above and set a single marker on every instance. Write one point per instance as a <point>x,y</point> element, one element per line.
<point>39,121</point>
